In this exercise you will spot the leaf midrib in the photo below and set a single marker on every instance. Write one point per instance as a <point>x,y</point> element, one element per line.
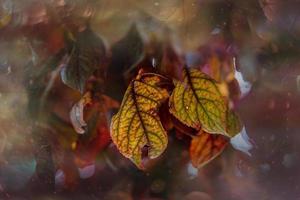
<point>133,94</point>
<point>190,84</point>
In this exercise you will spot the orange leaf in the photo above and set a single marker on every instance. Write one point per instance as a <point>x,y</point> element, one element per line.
<point>205,147</point>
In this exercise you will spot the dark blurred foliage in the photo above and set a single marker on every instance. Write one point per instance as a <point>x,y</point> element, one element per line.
<point>53,51</point>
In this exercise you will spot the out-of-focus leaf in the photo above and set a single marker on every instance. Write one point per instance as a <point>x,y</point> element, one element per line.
<point>36,81</point>
<point>99,138</point>
<point>215,65</point>
<point>205,147</point>
<point>133,43</point>
<point>21,169</point>
<point>171,62</point>
<point>5,13</point>
<point>77,112</point>
<point>151,58</point>
<point>220,65</point>
<point>198,103</point>
<point>126,53</point>
<point>284,48</point>
<point>55,40</point>
<point>87,55</point>
<point>96,134</point>
<point>4,20</point>
<point>137,124</point>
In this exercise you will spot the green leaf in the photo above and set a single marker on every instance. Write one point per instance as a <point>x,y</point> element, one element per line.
<point>86,57</point>
<point>234,125</point>
<point>198,103</point>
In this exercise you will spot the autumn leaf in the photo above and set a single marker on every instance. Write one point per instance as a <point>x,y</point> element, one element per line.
<point>77,112</point>
<point>87,56</point>
<point>224,71</point>
<point>234,125</point>
<point>205,147</point>
<point>96,132</point>
<point>89,119</point>
<point>197,103</point>
<point>137,124</point>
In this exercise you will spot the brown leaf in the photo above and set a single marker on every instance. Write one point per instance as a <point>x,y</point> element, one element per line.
<point>205,147</point>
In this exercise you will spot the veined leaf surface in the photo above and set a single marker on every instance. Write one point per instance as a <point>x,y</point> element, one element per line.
<point>87,55</point>
<point>198,103</point>
<point>234,125</point>
<point>137,123</point>
<point>205,147</point>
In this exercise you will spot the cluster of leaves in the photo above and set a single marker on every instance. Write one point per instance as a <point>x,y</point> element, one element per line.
<point>195,101</point>
<point>192,101</point>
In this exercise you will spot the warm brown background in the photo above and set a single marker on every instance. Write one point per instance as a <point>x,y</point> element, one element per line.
<point>266,37</point>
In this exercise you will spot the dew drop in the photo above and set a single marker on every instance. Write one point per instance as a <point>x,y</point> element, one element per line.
<point>288,160</point>
<point>287,105</point>
<point>265,167</point>
<point>158,186</point>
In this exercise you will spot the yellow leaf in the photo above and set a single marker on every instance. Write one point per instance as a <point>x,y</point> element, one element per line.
<point>198,103</point>
<point>205,147</point>
<point>137,123</point>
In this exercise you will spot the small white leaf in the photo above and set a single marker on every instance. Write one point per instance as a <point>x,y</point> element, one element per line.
<point>242,142</point>
<point>87,172</point>
<point>59,178</point>
<point>245,86</point>
<point>75,114</point>
<point>192,171</point>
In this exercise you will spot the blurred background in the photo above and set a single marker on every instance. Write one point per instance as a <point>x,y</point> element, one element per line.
<point>257,42</point>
